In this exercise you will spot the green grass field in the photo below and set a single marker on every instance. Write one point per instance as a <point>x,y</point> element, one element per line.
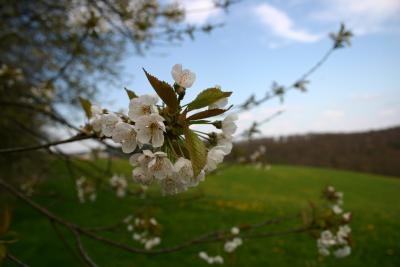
<point>233,196</point>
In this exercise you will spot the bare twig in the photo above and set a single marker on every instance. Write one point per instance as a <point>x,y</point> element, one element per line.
<point>82,251</point>
<point>75,138</point>
<point>14,259</point>
<point>214,236</point>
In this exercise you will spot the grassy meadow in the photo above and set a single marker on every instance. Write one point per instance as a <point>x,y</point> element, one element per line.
<point>230,197</point>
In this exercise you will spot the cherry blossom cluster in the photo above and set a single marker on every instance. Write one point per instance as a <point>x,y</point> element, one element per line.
<point>164,147</point>
<point>86,189</point>
<point>337,240</point>
<point>211,259</point>
<point>256,158</point>
<point>144,230</point>
<point>336,198</point>
<point>232,243</point>
<point>120,184</point>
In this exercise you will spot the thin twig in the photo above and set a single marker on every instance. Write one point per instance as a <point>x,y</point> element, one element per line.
<point>75,138</point>
<point>214,236</point>
<point>82,251</point>
<point>65,242</point>
<point>16,260</point>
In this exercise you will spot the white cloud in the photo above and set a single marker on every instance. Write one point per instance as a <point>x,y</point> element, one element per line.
<point>281,24</point>
<point>363,16</point>
<point>199,11</point>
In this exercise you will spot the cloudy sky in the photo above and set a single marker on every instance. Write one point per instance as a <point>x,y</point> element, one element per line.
<point>264,41</point>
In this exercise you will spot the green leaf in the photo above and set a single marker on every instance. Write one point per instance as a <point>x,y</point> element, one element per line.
<point>86,105</point>
<point>197,150</point>
<point>206,114</point>
<point>207,97</point>
<point>199,122</point>
<point>130,93</point>
<point>164,91</point>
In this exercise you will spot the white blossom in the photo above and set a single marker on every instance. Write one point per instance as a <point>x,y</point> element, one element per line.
<point>120,184</point>
<point>342,252</point>
<point>231,246</point>
<point>235,230</point>
<point>324,251</point>
<point>141,176</point>
<point>337,209</point>
<point>228,124</point>
<point>184,78</point>
<point>214,157</point>
<point>142,106</point>
<point>153,221</point>
<point>183,169</point>
<point>85,189</point>
<point>224,142</point>
<point>150,243</point>
<point>172,185</point>
<point>342,234</point>
<point>141,159</point>
<point>150,129</point>
<point>96,123</point>
<point>160,166</point>
<point>211,260</point>
<point>96,110</point>
<point>108,123</point>
<point>347,216</point>
<point>125,134</point>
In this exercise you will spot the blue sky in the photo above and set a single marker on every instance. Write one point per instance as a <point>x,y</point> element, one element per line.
<point>357,89</point>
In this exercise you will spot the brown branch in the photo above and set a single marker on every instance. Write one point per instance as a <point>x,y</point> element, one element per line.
<point>72,139</point>
<point>65,242</point>
<point>315,67</point>
<point>82,251</point>
<point>16,260</point>
<point>214,236</point>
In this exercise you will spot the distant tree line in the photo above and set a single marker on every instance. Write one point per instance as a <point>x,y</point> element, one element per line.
<point>373,151</point>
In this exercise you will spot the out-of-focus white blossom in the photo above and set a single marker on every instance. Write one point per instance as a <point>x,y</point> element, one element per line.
<point>231,246</point>
<point>150,130</point>
<point>235,230</point>
<point>184,78</point>
<point>211,260</point>
<point>142,106</point>
<point>337,209</point>
<point>153,221</point>
<point>336,244</point>
<point>346,216</point>
<point>150,243</point>
<point>120,185</point>
<point>85,189</point>
<point>342,252</point>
